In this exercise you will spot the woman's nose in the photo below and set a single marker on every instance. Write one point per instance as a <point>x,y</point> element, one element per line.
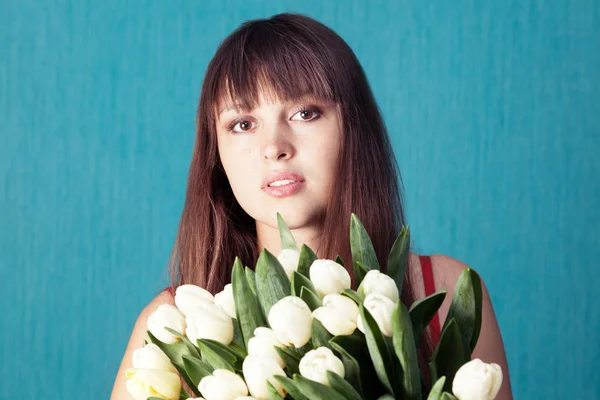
<point>278,145</point>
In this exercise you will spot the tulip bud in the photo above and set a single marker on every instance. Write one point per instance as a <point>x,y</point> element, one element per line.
<point>209,321</point>
<point>224,299</point>
<point>168,316</point>
<point>477,380</point>
<point>144,383</point>
<point>329,277</point>
<point>289,258</point>
<point>151,357</point>
<point>338,314</point>
<point>259,370</point>
<point>291,320</point>
<point>263,343</point>
<point>188,296</point>
<point>315,364</point>
<point>376,282</point>
<point>381,309</point>
<point>222,385</point>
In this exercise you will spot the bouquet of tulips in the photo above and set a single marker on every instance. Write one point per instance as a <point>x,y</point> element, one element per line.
<point>293,328</point>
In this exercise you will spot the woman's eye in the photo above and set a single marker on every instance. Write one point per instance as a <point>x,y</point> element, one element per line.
<point>241,126</point>
<point>307,114</point>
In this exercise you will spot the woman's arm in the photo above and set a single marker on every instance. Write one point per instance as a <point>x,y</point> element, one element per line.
<point>490,347</point>
<point>136,341</point>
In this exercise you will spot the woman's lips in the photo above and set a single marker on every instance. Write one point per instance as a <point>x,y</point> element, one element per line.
<point>283,184</point>
<point>284,190</point>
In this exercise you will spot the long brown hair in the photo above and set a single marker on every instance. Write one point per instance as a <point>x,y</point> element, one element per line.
<point>288,56</point>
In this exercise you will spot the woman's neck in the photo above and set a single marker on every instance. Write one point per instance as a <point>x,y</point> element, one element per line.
<point>268,237</point>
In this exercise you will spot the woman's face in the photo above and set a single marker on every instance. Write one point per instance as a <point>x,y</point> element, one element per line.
<point>280,157</point>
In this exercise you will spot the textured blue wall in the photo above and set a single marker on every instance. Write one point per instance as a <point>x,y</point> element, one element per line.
<point>494,111</point>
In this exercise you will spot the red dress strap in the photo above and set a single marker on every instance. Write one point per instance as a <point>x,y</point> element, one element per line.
<point>429,284</point>
<point>169,290</point>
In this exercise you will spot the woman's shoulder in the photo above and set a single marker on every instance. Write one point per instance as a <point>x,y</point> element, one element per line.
<point>445,269</point>
<point>138,334</point>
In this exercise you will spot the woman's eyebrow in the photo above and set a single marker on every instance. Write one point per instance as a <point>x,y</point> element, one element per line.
<point>300,99</point>
<point>231,107</point>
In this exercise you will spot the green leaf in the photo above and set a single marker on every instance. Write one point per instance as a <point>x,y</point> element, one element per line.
<point>342,386</point>
<point>238,339</point>
<point>448,356</point>
<point>380,355</point>
<point>307,257</point>
<point>437,389</point>
<point>251,279</point>
<point>272,393</point>
<point>287,239</point>
<point>248,312</point>
<point>290,358</point>
<point>183,394</point>
<point>386,397</point>
<point>320,336</point>
<point>315,390</point>
<point>448,396</point>
<point>193,349</point>
<point>196,369</point>
<point>422,312</point>
<point>353,295</point>
<point>339,260</point>
<point>351,366</point>
<point>466,309</point>
<point>362,249</point>
<point>272,283</point>
<point>310,298</point>
<point>176,352</point>
<point>298,281</point>
<point>360,270</point>
<point>406,352</point>
<point>352,344</point>
<point>290,387</point>
<point>218,355</point>
<point>398,257</point>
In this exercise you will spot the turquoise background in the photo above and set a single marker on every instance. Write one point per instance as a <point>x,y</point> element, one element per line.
<point>494,112</point>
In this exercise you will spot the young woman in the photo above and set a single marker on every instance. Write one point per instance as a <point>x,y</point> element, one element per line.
<point>287,123</point>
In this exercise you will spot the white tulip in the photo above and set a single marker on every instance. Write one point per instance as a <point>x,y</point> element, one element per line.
<point>188,296</point>
<point>329,277</point>
<point>315,364</point>
<point>245,398</point>
<point>338,314</point>
<point>477,380</point>
<point>222,385</point>
<point>144,383</point>
<point>376,282</point>
<point>259,370</point>
<point>263,343</point>
<point>168,316</point>
<point>291,320</point>
<point>209,321</point>
<point>224,299</point>
<point>381,308</point>
<point>289,258</point>
<point>151,357</point>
